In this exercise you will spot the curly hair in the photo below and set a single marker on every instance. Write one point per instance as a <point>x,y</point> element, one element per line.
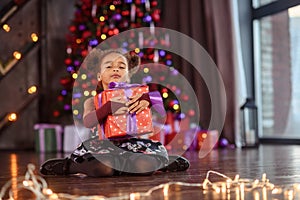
<point>96,56</point>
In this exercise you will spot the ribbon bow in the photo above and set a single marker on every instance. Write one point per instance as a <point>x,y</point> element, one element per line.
<point>122,85</point>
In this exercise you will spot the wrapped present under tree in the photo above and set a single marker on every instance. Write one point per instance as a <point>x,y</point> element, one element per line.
<point>48,137</point>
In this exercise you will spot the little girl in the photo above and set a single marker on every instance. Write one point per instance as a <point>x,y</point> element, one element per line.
<point>102,157</point>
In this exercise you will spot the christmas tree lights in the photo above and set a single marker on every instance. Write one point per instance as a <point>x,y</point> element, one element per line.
<point>225,188</point>
<point>96,21</point>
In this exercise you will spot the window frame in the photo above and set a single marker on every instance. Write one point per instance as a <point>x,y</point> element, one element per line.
<point>257,14</point>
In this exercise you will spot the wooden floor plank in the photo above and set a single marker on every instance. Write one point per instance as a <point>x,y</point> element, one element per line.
<point>279,162</point>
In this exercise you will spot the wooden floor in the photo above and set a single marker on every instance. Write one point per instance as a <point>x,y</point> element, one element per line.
<point>281,163</point>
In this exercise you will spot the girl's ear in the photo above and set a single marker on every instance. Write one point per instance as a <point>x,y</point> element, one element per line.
<point>99,76</point>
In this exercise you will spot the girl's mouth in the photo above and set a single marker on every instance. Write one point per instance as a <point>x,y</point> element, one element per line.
<point>116,76</point>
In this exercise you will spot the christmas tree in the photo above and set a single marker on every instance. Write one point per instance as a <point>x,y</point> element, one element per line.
<point>97,20</point>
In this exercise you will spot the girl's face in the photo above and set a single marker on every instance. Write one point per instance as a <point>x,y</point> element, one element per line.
<point>113,68</point>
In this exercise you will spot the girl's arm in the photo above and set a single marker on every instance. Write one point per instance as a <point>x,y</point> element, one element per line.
<point>93,116</point>
<point>152,99</point>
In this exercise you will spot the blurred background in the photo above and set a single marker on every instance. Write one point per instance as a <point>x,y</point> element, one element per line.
<point>254,43</point>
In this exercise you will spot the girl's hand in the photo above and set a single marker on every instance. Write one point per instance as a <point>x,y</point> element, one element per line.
<point>116,105</point>
<point>136,105</point>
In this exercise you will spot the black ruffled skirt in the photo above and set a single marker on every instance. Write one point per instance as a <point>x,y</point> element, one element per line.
<point>121,151</point>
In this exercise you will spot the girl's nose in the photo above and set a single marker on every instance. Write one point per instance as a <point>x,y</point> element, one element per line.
<point>115,69</point>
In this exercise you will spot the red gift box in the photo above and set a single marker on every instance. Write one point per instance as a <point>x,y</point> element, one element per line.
<point>126,124</point>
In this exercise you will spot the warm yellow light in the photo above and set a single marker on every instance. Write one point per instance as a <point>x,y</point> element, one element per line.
<point>137,50</point>
<point>103,36</point>
<point>74,76</point>
<point>165,95</point>
<point>12,117</point>
<point>53,196</point>
<point>217,189</point>
<point>34,37</point>
<point>112,7</point>
<point>86,93</point>
<point>146,70</point>
<point>94,93</point>
<point>276,191</point>
<point>166,190</point>
<point>27,183</point>
<point>134,196</point>
<point>83,76</point>
<point>75,112</point>
<point>17,55</point>
<point>102,19</point>
<point>78,41</point>
<point>176,107</point>
<point>32,89</point>
<point>14,175</point>
<point>6,27</point>
<point>47,191</point>
<point>204,135</point>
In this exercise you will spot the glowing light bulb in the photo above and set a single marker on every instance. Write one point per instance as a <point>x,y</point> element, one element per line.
<point>137,50</point>
<point>236,178</point>
<point>175,106</point>
<point>75,112</point>
<point>276,191</point>
<point>264,177</point>
<point>103,36</point>
<point>94,93</point>
<point>83,76</point>
<point>6,27</point>
<point>25,183</point>
<point>112,7</point>
<point>86,93</point>
<point>34,37</point>
<point>17,55</point>
<point>78,41</point>
<point>134,196</point>
<point>74,75</point>
<point>32,89</point>
<point>205,183</point>
<point>53,196</point>
<point>165,95</point>
<point>47,191</point>
<point>146,70</point>
<point>69,50</point>
<point>12,117</point>
<point>102,18</point>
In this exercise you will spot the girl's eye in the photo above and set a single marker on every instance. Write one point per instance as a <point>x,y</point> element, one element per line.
<point>108,66</point>
<point>122,67</point>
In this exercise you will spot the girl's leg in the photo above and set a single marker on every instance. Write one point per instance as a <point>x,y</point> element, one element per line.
<point>94,167</point>
<point>91,167</point>
<point>176,163</point>
<point>142,164</point>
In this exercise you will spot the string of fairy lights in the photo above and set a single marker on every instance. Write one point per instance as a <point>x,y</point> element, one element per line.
<point>16,56</point>
<point>12,117</point>
<point>237,188</point>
